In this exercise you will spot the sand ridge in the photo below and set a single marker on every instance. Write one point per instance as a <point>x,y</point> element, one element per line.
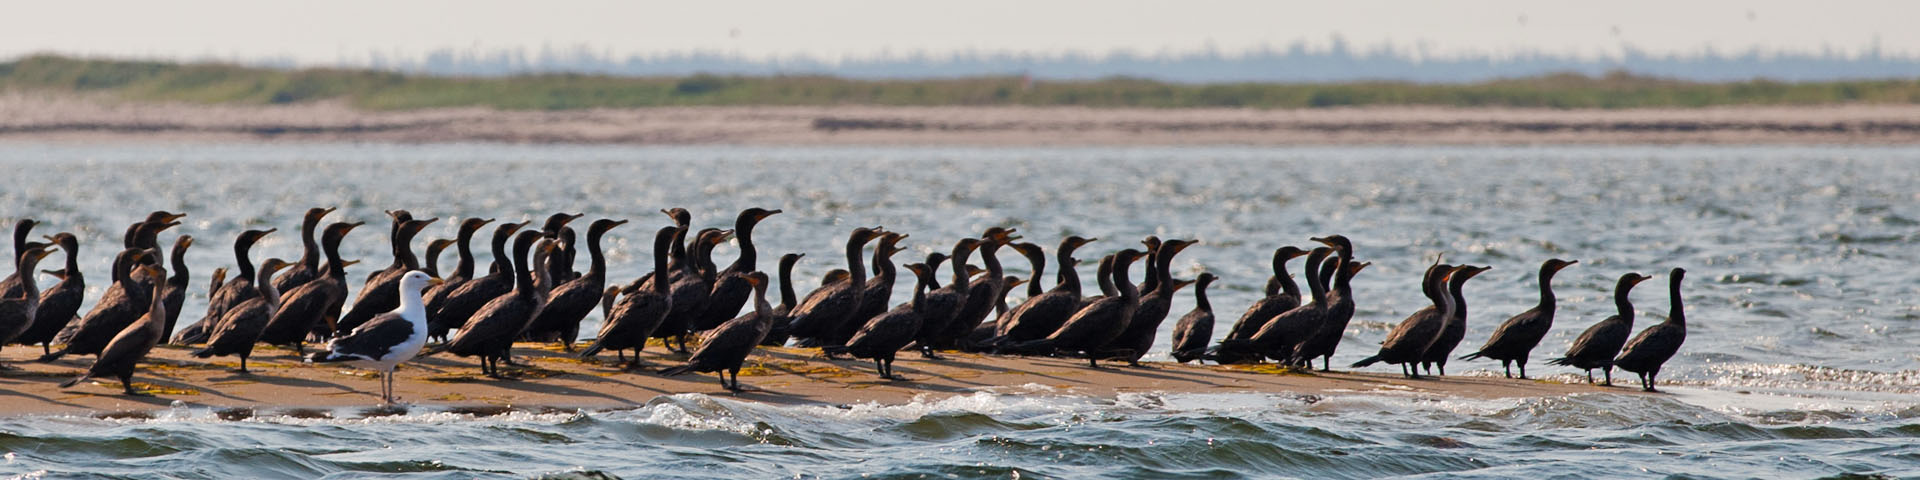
<point>29,116</point>
<point>553,378</point>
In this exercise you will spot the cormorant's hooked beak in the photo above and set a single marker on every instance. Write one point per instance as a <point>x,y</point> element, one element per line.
<point>269,231</point>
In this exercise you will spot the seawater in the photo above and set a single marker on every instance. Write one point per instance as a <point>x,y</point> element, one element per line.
<point>1801,305</point>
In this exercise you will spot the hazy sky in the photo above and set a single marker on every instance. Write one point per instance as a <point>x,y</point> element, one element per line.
<point>347,30</point>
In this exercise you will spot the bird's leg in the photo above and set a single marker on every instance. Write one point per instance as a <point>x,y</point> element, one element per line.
<point>126,383</point>
<point>1326,363</point>
<point>1523,369</point>
<point>1609,371</point>
<point>243,365</point>
<point>1508,366</point>
<point>1443,368</point>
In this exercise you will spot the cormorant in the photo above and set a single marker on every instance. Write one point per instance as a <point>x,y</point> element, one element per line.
<point>1041,315</point>
<point>1333,321</point>
<point>1455,327</point>
<point>1597,345</point>
<point>570,302</point>
<point>437,295</point>
<point>381,291</point>
<point>238,329</point>
<point>730,290</point>
<point>691,286</point>
<point>939,307</point>
<point>725,348</point>
<point>881,338</point>
<point>432,265</point>
<point>638,312</point>
<point>1152,310</point>
<point>310,306</point>
<point>118,307</point>
<point>308,267</point>
<point>1654,346</point>
<point>878,291</point>
<point>1517,336</point>
<point>1408,340</point>
<point>240,289</point>
<point>10,287</point>
<point>492,329</point>
<point>17,311</point>
<point>59,303</point>
<point>459,304</point>
<point>1282,295</point>
<point>1099,323</point>
<point>778,335</point>
<point>177,284</point>
<point>125,350</point>
<point>1195,329</point>
<point>982,293</point>
<point>823,310</point>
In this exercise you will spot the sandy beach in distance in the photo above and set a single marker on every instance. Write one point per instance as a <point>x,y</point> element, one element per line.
<point>32,117</point>
<point>778,376</point>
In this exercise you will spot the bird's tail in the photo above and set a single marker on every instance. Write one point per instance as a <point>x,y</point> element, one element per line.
<point>76,380</point>
<point>1567,361</point>
<point>1188,355</point>
<point>442,347</point>
<point>203,353</point>
<point>832,350</point>
<point>1473,355</point>
<point>325,356</point>
<point>1029,347</point>
<point>592,350</point>
<point>680,370</point>
<point>49,358</point>
<point>1232,351</point>
<point>1366,361</point>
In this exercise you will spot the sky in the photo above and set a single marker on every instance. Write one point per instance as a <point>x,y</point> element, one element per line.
<point>350,31</point>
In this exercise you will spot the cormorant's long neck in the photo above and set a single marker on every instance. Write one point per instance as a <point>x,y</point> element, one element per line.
<point>73,260</point>
<point>855,267</point>
<point>1162,269</point>
<point>1200,297</point>
<point>662,248</point>
<point>24,270</point>
<point>1546,288</point>
<point>465,246</point>
<point>959,259</point>
<point>20,233</point>
<point>1676,313</point>
<point>883,265</point>
<point>1120,280</point>
<point>500,261</point>
<point>1105,277</point>
<point>749,259</point>
<point>1286,279</point>
<point>1314,287</point>
<point>703,258</point>
<point>995,273</point>
<point>179,260</point>
<point>543,258</point>
<point>310,255</point>
<point>1039,272</point>
<point>403,249</point>
<point>598,266</point>
<point>122,266</point>
<point>786,285</point>
<point>265,285</point>
<point>1152,277</point>
<point>1622,301</point>
<point>158,309</point>
<point>1069,276</point>
<point>522,271</point>
<point>335,268</point>
<point>1458,287</point>
<point>242,257</point>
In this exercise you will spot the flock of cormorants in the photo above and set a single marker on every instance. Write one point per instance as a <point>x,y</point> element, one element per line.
<point>531,292</point>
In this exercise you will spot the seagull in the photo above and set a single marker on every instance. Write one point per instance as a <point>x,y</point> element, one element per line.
<point>388,339</point>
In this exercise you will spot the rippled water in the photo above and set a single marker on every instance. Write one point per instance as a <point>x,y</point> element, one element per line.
<point>1800,361</point>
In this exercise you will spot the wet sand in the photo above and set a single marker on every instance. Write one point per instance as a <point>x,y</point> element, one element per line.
<point>35,117</point>
<point>778,376</point>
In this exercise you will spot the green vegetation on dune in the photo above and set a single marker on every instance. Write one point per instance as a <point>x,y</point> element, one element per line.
<point>225,83</point>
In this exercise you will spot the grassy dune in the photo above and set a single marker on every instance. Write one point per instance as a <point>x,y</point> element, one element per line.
<point>226,83</point>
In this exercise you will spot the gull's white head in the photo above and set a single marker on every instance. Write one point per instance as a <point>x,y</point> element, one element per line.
<point>415,281</point>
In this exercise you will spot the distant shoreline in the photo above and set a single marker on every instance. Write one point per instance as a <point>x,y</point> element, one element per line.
<point>37,117</point>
